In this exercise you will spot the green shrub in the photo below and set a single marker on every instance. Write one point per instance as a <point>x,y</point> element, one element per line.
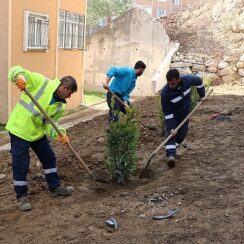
<point>122,141</point>
<point>160,110</point>
<point>194,94</point>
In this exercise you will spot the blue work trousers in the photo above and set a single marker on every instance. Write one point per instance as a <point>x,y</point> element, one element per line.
<point>179,138</point>
<point>117,107</point>
<point>21,161</point>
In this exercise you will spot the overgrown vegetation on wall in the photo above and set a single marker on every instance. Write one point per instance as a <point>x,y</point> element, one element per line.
<point>100,9</point>
<point>160,110</point>
<point>194,94</point>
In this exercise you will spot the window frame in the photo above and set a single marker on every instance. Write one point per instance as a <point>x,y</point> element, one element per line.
<point>75,39</point>
<point>146,8</point>
<point>160,10</point>
<point>44,36</point>
<point>176,2</point>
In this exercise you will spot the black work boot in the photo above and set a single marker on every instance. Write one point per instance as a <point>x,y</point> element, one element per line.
<point>171,161</point>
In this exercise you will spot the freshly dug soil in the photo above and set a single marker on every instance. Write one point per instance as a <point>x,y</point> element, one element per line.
<point>206,185</point>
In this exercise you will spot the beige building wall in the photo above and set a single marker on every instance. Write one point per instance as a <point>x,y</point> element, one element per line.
<point>70,62</point>
<point>39,61</point>
<point>131,37</point>
<point>4,53</point>
<point>53,63</point>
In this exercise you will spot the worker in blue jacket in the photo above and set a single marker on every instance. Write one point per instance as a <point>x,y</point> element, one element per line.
<point>122,85</point>
<point>176,105</point>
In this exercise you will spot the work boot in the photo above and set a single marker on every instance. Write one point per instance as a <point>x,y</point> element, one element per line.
<point>62,191</point>
<point>171,161</point>
<point>23,203</point>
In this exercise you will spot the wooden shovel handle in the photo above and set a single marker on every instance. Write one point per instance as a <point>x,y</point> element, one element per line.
<point>125,105</point>
<point>58,131</point>
<point>180,125</point>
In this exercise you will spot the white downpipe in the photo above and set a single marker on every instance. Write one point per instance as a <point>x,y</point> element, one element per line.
<point>159,78</point>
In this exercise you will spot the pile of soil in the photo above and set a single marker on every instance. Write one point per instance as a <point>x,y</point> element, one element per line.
<point>206,185</point>
<point>209,28</point>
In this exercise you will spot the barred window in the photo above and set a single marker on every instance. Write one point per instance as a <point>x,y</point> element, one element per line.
<point>36,27</point>
<point>71,30</point>
<point>176,2</point>
<point>161,13</point>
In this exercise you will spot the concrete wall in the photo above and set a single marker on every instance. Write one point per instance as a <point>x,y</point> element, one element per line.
<point>53,63</point>
<point>129,38</point>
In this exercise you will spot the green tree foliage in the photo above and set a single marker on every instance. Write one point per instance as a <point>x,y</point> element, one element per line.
<point>98,9</point>
<point>160,110</point>
<point>122,141</point>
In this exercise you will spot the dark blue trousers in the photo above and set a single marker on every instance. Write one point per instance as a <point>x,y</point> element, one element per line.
<point>21,161</point>
<point>117,107</point>
<point>179,138</point>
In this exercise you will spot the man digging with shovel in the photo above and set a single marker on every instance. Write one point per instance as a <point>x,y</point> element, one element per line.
<point>122,85</point>
<point>176,105</point>
<point>28,128</point>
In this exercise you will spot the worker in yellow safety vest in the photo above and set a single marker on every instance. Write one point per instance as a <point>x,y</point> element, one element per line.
<point>28,129</point>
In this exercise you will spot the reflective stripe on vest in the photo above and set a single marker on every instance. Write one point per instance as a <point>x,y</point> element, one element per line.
<point>59,108</point>
<point>30,106</point>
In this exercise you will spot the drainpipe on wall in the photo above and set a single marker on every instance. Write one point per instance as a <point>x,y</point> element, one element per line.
<point>56,50</point>
<point>84,37</point>
<point>83,53</point>
<point>153,9</point>
<point>159,79</point>
<point>9,53</point>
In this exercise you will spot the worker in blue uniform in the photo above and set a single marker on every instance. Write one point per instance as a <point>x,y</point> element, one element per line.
<point>176,105</point>
<point>122,84</point>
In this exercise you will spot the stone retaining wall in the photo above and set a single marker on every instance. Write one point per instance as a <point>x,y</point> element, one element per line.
<point>229,69</point>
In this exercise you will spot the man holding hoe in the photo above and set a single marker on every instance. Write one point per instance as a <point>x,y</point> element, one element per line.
<point>176,105</point>
<point>28,129</point>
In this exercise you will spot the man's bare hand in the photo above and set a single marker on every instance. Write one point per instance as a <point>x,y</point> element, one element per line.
<point>105,86</point>
<point>173,132</point>
<point>126,104</point>
<point>203,99</point>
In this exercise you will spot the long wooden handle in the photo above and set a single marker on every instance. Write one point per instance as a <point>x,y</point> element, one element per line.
<point>180,125</point>
<point>125,106</point>
<point>117,97</point>
<point>58,131</point>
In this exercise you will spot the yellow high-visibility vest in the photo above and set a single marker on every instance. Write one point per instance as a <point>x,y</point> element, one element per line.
<point>26,121</point>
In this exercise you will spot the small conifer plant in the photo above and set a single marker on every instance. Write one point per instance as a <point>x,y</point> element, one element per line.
<point>122,141</point>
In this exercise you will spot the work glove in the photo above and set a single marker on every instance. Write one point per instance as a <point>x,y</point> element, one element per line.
<point>21,82</point>
<point>64,139</point>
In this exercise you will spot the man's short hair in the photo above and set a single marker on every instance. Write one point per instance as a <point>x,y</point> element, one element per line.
<point>70,82</point>
<point>140,65</point>
<point>172,74</point>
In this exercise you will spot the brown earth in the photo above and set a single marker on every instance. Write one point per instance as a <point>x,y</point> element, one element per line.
<point>206,185</point>
<point>207,28</point>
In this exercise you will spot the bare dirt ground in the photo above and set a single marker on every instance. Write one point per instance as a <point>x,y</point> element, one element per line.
<point>207,28</point>
<point>206,185</point>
